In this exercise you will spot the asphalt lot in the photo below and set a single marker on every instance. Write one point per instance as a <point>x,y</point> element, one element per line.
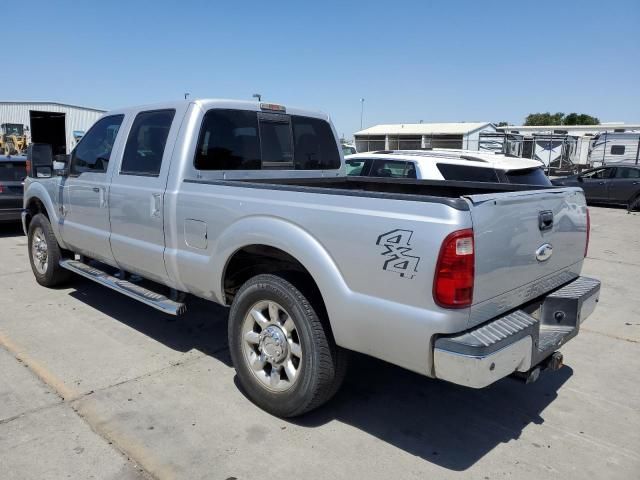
<point>95,385</point>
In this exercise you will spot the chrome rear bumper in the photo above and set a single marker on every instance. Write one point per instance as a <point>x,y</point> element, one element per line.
<point>516,342</point>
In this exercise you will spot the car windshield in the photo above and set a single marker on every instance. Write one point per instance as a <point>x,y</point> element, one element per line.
<point>347,150</point>
<point>528,176</point>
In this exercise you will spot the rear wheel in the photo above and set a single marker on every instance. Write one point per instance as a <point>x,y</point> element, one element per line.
<point>45,253</point>
<point>281,347</point>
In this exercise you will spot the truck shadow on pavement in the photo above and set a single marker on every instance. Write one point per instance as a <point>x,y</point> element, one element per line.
<point>445,424</point>
<point>11,229</point>
<point>203,327</point>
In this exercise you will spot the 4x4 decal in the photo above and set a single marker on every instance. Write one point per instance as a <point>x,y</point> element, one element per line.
<point>397,258</point>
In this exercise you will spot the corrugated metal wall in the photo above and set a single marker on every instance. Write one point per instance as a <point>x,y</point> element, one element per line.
<point>76,118</point>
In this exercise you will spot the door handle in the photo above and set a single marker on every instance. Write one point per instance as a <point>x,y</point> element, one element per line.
<point>155,205</point>
<point>96,189</point>
<point>600,183</point>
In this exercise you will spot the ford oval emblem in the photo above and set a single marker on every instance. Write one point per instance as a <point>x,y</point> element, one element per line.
<point>544,252</point>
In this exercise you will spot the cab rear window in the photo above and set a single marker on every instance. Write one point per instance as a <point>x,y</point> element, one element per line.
<point>248,140</point>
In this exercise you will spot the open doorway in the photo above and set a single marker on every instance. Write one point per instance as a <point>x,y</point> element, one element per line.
<point>49,127</point>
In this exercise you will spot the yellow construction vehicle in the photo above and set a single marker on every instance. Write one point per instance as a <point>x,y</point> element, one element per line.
<point>13,140</point>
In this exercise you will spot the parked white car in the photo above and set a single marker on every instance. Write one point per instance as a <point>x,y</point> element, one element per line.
<point>447,164</point>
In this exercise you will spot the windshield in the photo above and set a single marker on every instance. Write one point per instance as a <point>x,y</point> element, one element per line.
<point>13,129</point>
<point>528,176</point>
<point>347,150</point>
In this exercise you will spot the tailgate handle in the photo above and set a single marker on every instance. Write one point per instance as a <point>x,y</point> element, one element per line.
<point>545,220</point>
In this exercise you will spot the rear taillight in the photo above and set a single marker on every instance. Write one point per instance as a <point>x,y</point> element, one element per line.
<point>28,167</point>
<point>586,246</point>
<point>1,188</point>
<point>453,280</point>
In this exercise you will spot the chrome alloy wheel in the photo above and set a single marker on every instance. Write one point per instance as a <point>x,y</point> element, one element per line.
<point>39,251</point>
<point>271,346</point>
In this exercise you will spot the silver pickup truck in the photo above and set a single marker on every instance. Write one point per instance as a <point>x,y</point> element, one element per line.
<point>248,205</point>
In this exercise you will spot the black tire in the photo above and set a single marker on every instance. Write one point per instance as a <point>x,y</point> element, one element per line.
<point>53,274</point>
<point>323,364</point>
<point>634,204</point>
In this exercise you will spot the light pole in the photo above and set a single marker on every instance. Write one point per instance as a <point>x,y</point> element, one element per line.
<point>258,96</point>
<point>361,111</point>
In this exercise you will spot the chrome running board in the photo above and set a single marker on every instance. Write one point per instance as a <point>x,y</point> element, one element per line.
<point>153,299</point>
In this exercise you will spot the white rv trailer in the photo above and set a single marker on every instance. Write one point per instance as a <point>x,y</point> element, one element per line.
<point>614,147</point>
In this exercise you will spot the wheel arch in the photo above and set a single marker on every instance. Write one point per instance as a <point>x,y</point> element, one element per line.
<point>38,199</point>
<point>269,245</point>
<point>34,206</point>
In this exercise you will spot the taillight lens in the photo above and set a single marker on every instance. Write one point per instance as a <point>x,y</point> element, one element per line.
<point>1,188</point>
<point>453,281</point>
<point>28,167</point>
<point>586,246</point>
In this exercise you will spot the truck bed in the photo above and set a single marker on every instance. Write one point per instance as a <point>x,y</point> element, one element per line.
<point>447,192</point>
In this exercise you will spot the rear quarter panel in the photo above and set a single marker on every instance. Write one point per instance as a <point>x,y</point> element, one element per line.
<point>377,305</point>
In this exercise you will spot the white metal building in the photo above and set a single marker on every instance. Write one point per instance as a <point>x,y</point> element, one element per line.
<point>412,136</point>
<point>50,122</point>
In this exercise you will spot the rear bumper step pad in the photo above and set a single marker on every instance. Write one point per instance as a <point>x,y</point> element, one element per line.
<point>517,341</point>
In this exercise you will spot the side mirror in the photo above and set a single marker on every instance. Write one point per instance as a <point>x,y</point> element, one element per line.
<point>580,179</point>
<point>61,165</point>
<point>40,160</point>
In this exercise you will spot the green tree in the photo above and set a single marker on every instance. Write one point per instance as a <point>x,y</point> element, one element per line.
<point>501,124</point>
<point>559,118</point>
<point>580,119</point>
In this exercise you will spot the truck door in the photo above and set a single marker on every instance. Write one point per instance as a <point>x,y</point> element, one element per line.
<point>137,193</point>
<point>84,211</point>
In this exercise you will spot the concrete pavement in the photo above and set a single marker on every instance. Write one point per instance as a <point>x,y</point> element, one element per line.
<point>95,385</point>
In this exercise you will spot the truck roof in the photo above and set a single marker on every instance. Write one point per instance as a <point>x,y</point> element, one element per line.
<point>208,103</point>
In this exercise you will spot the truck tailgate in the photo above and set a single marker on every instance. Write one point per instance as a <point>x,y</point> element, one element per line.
<point>526,244</point>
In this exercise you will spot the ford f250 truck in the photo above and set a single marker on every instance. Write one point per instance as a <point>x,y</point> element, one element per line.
<point>248,205</point>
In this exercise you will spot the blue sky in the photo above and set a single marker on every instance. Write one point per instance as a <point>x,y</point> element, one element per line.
<point>411,61</point>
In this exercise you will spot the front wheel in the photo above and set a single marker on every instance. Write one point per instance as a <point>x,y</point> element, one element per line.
<point>45,253</point>
<point>281,347</point>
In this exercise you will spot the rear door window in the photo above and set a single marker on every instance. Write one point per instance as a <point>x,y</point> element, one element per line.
<point>358,167</point>
<point>393,169</point>
<point>626,172</point>
<point>13,171</point>
<point>528,176</point>
<point>466,173</point>
<point>145,145</point>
